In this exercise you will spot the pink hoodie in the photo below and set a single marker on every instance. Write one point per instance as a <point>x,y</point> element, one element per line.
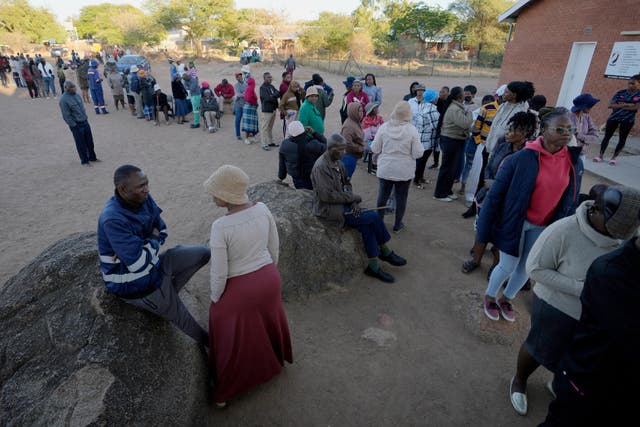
<point>551,182</point>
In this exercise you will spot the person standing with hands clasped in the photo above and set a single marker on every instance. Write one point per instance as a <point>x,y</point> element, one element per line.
<point>75,116</point>
<point>248,330</point>
<point>269,97</point>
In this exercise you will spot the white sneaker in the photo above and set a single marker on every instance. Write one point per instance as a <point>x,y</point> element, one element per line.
<point>453,197</point>
<point>247,142</point>
<point>443,199</point>
<point>518,400</point>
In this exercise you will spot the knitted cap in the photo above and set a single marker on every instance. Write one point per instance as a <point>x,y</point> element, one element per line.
<point>228,183</point>
<point>402,112</point>
<point>295,128</point>
<point>624,222</point>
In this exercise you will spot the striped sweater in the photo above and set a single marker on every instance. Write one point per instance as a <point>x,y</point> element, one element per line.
<point>482,124</point>
<point>127,248</point>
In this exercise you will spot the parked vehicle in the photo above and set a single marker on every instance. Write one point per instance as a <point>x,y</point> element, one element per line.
<point>128,61</point>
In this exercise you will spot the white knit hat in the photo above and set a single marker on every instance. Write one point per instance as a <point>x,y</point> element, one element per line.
<point>228,183</point>
<point>295,128</point>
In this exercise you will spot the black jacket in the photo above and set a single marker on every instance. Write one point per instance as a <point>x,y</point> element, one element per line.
<point>269,98</point>
<point>299,153</point>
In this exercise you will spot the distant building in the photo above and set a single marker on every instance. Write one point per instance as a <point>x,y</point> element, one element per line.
<point>568,47</point>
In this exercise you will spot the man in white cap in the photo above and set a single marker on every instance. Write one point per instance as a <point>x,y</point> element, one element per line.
<point>298,154</point>
<point>134,88</point>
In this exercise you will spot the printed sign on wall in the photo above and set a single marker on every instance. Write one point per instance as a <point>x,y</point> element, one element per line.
<point>624,60</point>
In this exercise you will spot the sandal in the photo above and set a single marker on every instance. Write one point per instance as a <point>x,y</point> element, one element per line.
<point>469,265</point>
<point>612,162</point>
<point>597,159</point>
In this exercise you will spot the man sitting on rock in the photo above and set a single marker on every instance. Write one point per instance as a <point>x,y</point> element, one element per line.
<point>334,200</point>
<point>298,154</point>
<point>130,233</point>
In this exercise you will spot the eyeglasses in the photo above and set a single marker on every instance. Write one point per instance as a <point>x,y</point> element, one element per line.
<point>560,130</point>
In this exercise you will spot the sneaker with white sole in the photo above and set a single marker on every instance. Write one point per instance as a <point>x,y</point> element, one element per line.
<point>491,308</point>
<point>453,196</point>
<point>506,309</point>
<point>550,389</point>
<point>443,199</point>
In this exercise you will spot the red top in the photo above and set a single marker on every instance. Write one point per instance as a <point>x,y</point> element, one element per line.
<point>284,86</point>
<point>250,92</point>
<point>360,97</point>
<point>225,90</point>
<point>551,182</point>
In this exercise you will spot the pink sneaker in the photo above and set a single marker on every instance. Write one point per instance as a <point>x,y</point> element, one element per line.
<point>597,159</point>
<point>507,311</point>
<point>491,308</point>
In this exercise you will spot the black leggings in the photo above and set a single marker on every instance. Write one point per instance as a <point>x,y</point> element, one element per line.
<point>612,125</point>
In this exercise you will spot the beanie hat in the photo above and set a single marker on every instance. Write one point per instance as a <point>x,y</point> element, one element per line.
<point>205,84</point>
<point>402,112</point>
<point>623,223</point>
<point>429,95</point>
<point>228,183</point>
<point>295,128</point>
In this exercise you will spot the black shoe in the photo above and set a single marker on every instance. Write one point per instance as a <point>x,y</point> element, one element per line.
<point>470,212</point>
<point>274,145</point>
<point>380,275</point>
<point>434,166</point>
<point>393,259</point>
<point>95,160</point>
<point>194,126</point>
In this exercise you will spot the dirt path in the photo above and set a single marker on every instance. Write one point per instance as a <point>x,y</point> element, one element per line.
<point>425,361</point>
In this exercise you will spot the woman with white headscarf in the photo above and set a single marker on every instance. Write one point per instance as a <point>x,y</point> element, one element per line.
<point>398,145</point>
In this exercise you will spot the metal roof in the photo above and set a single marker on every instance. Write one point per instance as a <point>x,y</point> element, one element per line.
<point>512,13</point>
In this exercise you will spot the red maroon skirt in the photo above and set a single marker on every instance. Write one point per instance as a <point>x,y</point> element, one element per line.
<point>248,333</point>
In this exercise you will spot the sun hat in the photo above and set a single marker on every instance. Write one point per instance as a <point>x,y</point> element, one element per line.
<point>500,91</point>
<point>156,87</point>
<point>429,95</point>
<point>369,108</point>
<point>349,81</point>
<point>295,128</point>
<point>311,91</point>
<point>228,183</point>
<point>622,211</point>
<point>583,102</point>
<point>133,69</point>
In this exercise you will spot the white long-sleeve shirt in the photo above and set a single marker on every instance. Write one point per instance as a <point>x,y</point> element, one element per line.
<point>241,243</point>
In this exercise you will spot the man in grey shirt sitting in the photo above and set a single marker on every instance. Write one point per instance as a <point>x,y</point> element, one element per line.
<point>75,116</point>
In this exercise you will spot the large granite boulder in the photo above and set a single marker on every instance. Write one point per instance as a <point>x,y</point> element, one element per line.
<point>314,255</point>
<point>72,354</point>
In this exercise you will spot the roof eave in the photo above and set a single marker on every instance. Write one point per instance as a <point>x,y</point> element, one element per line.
<point>510,15</point>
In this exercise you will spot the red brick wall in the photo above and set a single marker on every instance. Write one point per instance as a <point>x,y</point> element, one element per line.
<point>544,35</point>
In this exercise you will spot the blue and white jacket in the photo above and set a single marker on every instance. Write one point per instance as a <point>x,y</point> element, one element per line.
<point>127,248</point>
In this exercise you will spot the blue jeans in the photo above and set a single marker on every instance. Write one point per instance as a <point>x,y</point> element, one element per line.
<point>401,190</point>
<point>374,233</point>
<point>514,267</point>
<point>302,183</point>
<point>349,161</point>
<point>237,110</point>
<point>49,85</point>
<point>467,159</point>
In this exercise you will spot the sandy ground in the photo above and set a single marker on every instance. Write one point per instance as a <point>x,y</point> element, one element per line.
<point>427,359</point>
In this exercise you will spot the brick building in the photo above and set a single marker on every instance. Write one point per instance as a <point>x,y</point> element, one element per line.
<point>565,47</point>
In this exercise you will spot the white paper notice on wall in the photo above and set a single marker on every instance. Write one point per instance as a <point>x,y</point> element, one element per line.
<point>624,60</point>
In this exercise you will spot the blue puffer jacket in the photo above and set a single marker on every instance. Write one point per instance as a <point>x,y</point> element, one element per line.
<point>505,207</point>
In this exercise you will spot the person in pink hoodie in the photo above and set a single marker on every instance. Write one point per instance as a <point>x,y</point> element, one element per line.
<point>533,188</point>
<point>250,112</point>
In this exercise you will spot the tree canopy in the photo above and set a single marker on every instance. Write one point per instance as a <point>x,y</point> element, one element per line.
<point>331,31</point>
<point>479,25</point>
<point>198,18</point>
<point>118,25</point>
<point>427,24</point>
<point>19,21</point>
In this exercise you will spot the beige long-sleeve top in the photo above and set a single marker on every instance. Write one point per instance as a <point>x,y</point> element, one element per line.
<point>456,122</point>
<point>561,256</point>
<point>241,243</point>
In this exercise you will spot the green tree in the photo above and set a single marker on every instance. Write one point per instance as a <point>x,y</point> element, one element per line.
<point>479,23</point>
<point>19,20</point>
<point>427,24</point>
<point>198,18</point>
<point>331,31</point>
<point>118,24</point>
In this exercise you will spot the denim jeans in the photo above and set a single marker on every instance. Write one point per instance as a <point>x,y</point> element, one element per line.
<point>349,161</point>
<point>467,159</point>
<point>302,183</point>
<point>374,233</point>
<point>237,110</point>
<point>401,193</point>
<point>49,85</point>
<point>514,267</point>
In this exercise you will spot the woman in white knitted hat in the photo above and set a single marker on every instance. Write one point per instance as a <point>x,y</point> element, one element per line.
<point>248,331</point>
